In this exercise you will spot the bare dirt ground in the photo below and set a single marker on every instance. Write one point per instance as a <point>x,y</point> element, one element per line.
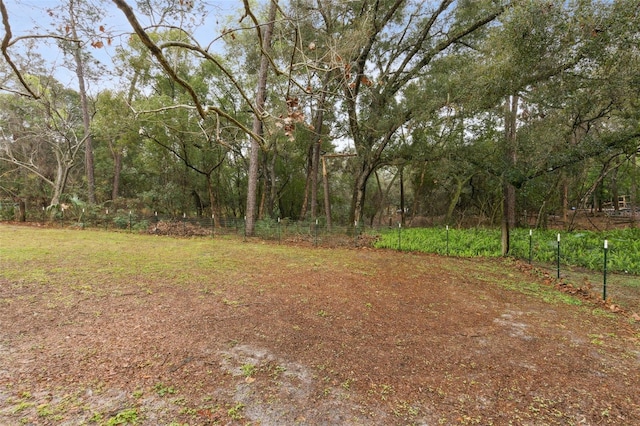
<point>386,338</point>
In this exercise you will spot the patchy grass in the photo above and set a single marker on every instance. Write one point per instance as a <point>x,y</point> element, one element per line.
<point>112,328</point>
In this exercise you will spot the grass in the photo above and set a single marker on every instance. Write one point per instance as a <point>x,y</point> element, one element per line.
<point>125,417</point>
<point>100,263</point>
<point>51,257</point>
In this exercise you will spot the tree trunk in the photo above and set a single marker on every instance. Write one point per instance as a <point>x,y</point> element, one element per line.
<point>634,188</point>
<point>402,196</point>
<point>317,142</point>
<point>62,175</point>
<point>615,194</point>
<point>359,193</point>
<point>508,190</point>
<point>117,169</point>
<point>307,185</point>
<point>315,168</point>
<point>22,210</point>
<point>84,103</point>
<point>327,200</point>
<point>565,198</point>
<point>417,193</point>
<point>456,196</point>
<point>254,154</point>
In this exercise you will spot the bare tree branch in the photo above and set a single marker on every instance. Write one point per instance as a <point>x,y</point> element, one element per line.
<point>156,51</point>
<point>6,42</point>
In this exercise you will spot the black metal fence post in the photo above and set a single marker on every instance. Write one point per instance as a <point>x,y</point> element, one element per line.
<point>558,257</point>
<point>604,282</point>
<point>447,240</point>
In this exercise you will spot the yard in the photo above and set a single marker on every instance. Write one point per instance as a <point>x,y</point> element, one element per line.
<point>111,328</point>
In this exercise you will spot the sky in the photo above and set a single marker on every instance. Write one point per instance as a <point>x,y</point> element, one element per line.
<point>28,17</point>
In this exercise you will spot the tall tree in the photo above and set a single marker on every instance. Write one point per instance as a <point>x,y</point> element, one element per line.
<point>383,48</point>
<point>254,159</point>
<point>80,66</point>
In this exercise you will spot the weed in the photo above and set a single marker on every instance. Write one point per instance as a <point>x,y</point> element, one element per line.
<point>322,313</point>
<point>599,312</point>
<point>22,406</point>
<point>43,410</point>
<point>181,401</point>
<point>231,303</point>
<point>386,389</point>
<point>405,410</point>
<point>248,370</point>
<point>137,394</point>
<point>235,411</point>
<point>163,390</point>
<point>596,339</point>
<point>279,369</point>
<point>125,417</point>
<point>188,411</point>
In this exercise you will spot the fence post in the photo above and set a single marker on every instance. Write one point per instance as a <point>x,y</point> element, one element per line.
<point>447,249</point>
<point>355,233</point>
<point>213,225</point>
<point>604,283</point>
<point>530,246</point>
<point>399,236</point>
<point>129,221</point>
<point>279,235</point>
<point>558,256</point>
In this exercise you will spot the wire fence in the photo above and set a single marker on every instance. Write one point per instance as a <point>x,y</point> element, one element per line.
<point>604,266</point>
<point>544,255</point>
<point>315,232</point>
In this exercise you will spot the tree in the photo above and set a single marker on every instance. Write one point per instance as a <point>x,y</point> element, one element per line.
<point>257,128</point>
<point>383,50</point>
<point>80,65</point>
<point>69,41</point>
<point>43,133</point>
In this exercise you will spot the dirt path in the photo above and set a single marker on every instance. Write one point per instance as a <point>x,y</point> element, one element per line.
<point>314,337</point>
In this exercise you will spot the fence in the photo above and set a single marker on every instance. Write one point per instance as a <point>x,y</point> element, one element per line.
<point>583,266</point>
<point>315,233</point>
<point>606,264</point>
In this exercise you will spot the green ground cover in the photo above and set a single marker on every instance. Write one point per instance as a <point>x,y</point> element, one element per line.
<point>582,248</point>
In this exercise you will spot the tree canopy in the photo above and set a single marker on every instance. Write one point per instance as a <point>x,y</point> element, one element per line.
<point>360,111</point>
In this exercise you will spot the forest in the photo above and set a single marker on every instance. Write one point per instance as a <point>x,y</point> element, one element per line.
<point>478,113</point>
